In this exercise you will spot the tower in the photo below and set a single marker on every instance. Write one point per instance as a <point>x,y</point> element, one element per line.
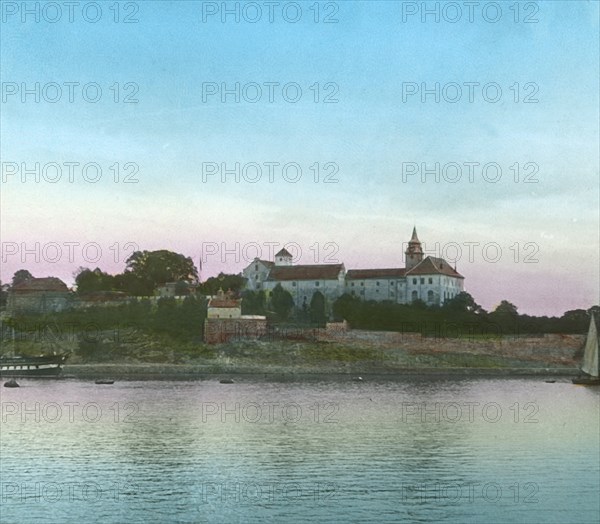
<point>414,252</point>
<point>283,258</point>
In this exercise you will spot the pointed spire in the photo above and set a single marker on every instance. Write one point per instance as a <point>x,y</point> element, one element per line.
<point>414,251</point>
<point>414,237</point>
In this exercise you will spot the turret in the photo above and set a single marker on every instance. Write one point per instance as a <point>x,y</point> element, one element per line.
<point>283,258</point>
<point>414,252</point>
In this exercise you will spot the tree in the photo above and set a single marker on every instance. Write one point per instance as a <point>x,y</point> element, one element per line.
<point>506,318</point>
<point>22,275</point>
<point>89,281</point>
<point>282,302</point>
<point>253,303</point>
<point>463,303</point>
<point>166,315</point>
<point>345,306</point>
<point>575,321</point>
<point>151,268</point>
<point>3,295</point>
<point>226,282</point>
<point>506,308</point>
<point>318,315</point>
<point>130,284</point>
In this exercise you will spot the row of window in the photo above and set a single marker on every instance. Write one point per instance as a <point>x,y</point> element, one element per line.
<point>18,368</point>
<point>362,292</point>
<point>414,281</point>
<point>422,280</point>
<point>414,295</point>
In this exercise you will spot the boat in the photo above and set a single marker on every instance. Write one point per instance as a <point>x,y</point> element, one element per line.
<point>41,366</point>
<point>104,381</point>
<point>226,381</point>
<point>12,383</point>
<point>589,366</point>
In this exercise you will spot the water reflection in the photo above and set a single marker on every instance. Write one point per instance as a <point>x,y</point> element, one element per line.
<point>416,451</point>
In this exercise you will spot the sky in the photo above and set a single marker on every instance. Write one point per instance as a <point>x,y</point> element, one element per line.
<point>223,132</point>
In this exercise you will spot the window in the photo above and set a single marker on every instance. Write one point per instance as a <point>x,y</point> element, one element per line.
<point>293,284</point>
<point>362,283</point>
<point>352,284</point>
<point>415,296</point>
<point>422,280</point>
<point>376,283</point>
<point>317,283</point>
<point>255,267</point>
<point>414,280</point>
<point>430,296</point>
<point>392,294</point>
<point>362,291</point>
<point>430,280</point>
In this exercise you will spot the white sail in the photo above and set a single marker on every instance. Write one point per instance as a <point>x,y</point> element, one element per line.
<point>590,355</point>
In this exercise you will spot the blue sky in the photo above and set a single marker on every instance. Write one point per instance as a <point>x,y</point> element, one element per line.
<point>369,133</point>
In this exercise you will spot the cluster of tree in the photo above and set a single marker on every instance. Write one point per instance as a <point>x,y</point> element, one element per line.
<point>182,319</point>
<point>20,276</point>
<point>460,315</point>
<point>280,306</point>
<point>144,272</point>
<point>233,283</point>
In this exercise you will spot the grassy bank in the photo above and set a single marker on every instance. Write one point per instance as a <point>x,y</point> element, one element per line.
<point>170,333</point>
<point>144,351</point>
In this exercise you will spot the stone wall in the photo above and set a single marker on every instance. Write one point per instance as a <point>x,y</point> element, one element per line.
<point>556,348</point>
<point>38,302</point>
<point>219,330</point>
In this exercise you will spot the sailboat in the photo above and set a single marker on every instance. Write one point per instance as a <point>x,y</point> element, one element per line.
<point>12,365</point>
<point>589,366</point>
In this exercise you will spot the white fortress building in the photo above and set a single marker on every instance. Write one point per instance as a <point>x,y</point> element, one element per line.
<point>430,279</point>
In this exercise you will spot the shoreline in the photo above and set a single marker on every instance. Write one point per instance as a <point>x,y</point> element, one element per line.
<point>147,372</point>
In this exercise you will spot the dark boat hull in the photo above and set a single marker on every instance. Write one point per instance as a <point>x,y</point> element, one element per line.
<point>40,367</point>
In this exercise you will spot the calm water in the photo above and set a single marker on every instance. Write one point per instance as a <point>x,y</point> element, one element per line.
<point>481,451</point>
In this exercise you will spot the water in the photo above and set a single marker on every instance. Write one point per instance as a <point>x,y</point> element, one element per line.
<point>436,450</point>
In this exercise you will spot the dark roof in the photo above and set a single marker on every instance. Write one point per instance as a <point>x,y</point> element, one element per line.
<point>225,302</point>
<point>305,272</point>
<point>257,260</point>
<point>434,265</point>
<point>41,284</point>
<point>223,299</point>
<point>283,253</point>
<point>361,274</point>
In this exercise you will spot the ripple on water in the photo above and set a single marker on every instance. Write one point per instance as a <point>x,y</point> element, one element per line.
<point>343,452</point>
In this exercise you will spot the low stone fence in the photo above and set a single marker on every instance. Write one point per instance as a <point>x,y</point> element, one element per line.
<point>219,330</point>
<point>550,347</point>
